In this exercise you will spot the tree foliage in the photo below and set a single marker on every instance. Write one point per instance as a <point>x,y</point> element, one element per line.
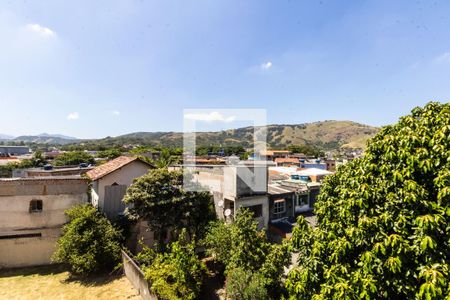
<point>307,150</point>
<point>74,158</point>
<point>240,245</point>
<point>159,198</point>
<point>176,273</point>
<point>89,243</point>
<point>383,220</point>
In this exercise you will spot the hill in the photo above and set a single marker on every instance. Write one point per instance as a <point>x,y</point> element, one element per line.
<point>328,135</point>
<point>45,139</point>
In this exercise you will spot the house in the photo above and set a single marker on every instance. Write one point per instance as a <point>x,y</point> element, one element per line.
<point>287,162</point>
<point>241,184</point>
<point>14,150</point>
<point>53,171</point>
<point>271,155</point>
<point>32,215</point>
<point>331,164</point>
<point>313,163</point>
<point>111,180</point>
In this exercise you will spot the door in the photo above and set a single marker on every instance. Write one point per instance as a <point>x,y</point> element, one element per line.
<point>113,204</point>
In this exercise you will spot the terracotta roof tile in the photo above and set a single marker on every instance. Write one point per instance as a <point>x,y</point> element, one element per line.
<point>111,166</point>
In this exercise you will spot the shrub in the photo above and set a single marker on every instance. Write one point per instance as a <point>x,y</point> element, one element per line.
<point>89,243</point>
<point>244,285</point>
<point>176,273</point>
<point>240,245</point>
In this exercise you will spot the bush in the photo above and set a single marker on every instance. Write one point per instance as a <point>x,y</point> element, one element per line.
<point>244,285</point>
<point>176,273</point>
<point>240,245</point>
<point>89,243</point>
<point>383,220</point>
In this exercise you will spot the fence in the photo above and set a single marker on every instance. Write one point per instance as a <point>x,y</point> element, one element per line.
<point>136,277</point>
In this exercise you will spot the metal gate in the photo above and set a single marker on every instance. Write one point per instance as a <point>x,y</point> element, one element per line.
<point>113,204</point>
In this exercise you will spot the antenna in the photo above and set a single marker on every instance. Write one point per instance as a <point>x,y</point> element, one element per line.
<point>227,212</point>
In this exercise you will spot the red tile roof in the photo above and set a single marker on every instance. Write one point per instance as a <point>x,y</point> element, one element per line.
<point>287,160</point>
<point>111,166</point>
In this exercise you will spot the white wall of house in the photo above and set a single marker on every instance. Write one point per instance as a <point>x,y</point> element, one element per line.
<point>17,247</point>
<point>122,176</point>
<point>256,200</point>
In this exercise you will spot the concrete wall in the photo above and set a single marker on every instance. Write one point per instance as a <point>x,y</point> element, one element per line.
<point>122,176</point>
<point>256,200</point>
<point>29,238</point>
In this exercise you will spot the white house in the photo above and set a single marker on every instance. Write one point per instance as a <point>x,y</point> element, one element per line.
<point>110,181</point>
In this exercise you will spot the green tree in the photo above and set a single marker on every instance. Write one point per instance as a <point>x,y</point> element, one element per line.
<point>240,245</point>
<point>89,243</point>
<point>307,150</point>
<point>74,158</point>
<point>110,153</point>
<point>176,273</point>
<point>159,198</point>
<point>383,220</point>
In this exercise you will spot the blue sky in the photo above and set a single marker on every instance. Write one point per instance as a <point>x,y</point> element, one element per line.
<point>97,68</point>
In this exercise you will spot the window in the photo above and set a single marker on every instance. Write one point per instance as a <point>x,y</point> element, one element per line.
<point>35,206</point>
<point>279,206</point>
<point>256,210</point>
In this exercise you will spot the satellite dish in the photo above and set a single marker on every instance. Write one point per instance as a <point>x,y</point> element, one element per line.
<point>220,204</point>
<point>227,212</point>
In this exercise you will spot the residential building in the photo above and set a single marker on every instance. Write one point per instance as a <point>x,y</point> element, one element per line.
<point>32,215</point>
<point>287,162</point>
<point>14,150</point>
<point>111,180</point>
<point>271,155</point>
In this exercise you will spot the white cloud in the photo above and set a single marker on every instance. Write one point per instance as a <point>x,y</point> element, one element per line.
<point>73,116</point>
<point>41,30</point>
<point>443,58</point>
<point>209,117</point>
<point>115,112</point>
<point>266,65</point>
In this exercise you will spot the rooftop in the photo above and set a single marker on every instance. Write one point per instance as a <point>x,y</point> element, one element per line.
<point>111,166</point>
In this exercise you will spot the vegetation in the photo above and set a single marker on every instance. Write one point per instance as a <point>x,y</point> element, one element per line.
<point>383,220</point>
<point>307,150</point>
<point>110,153</point>
<point>245,285</point>
<point>36,161</point>
<point>89,243</point>
<point>74,158</point>
<point>241,246</point>
<point>175,273</point>
<point>159,198</point>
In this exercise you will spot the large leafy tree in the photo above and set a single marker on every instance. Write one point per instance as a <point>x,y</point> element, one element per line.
<point>383,220</point>
<point>89,243</point>
<point>159,198</point>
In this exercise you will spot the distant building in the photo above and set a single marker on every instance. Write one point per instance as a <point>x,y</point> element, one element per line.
<point>287,162</point>
<point>271,155</point>
<point>312,163</point>
<point>14,150</point>
<point>32,214</point>
<point>52,172</point>
<point>111,180</point>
